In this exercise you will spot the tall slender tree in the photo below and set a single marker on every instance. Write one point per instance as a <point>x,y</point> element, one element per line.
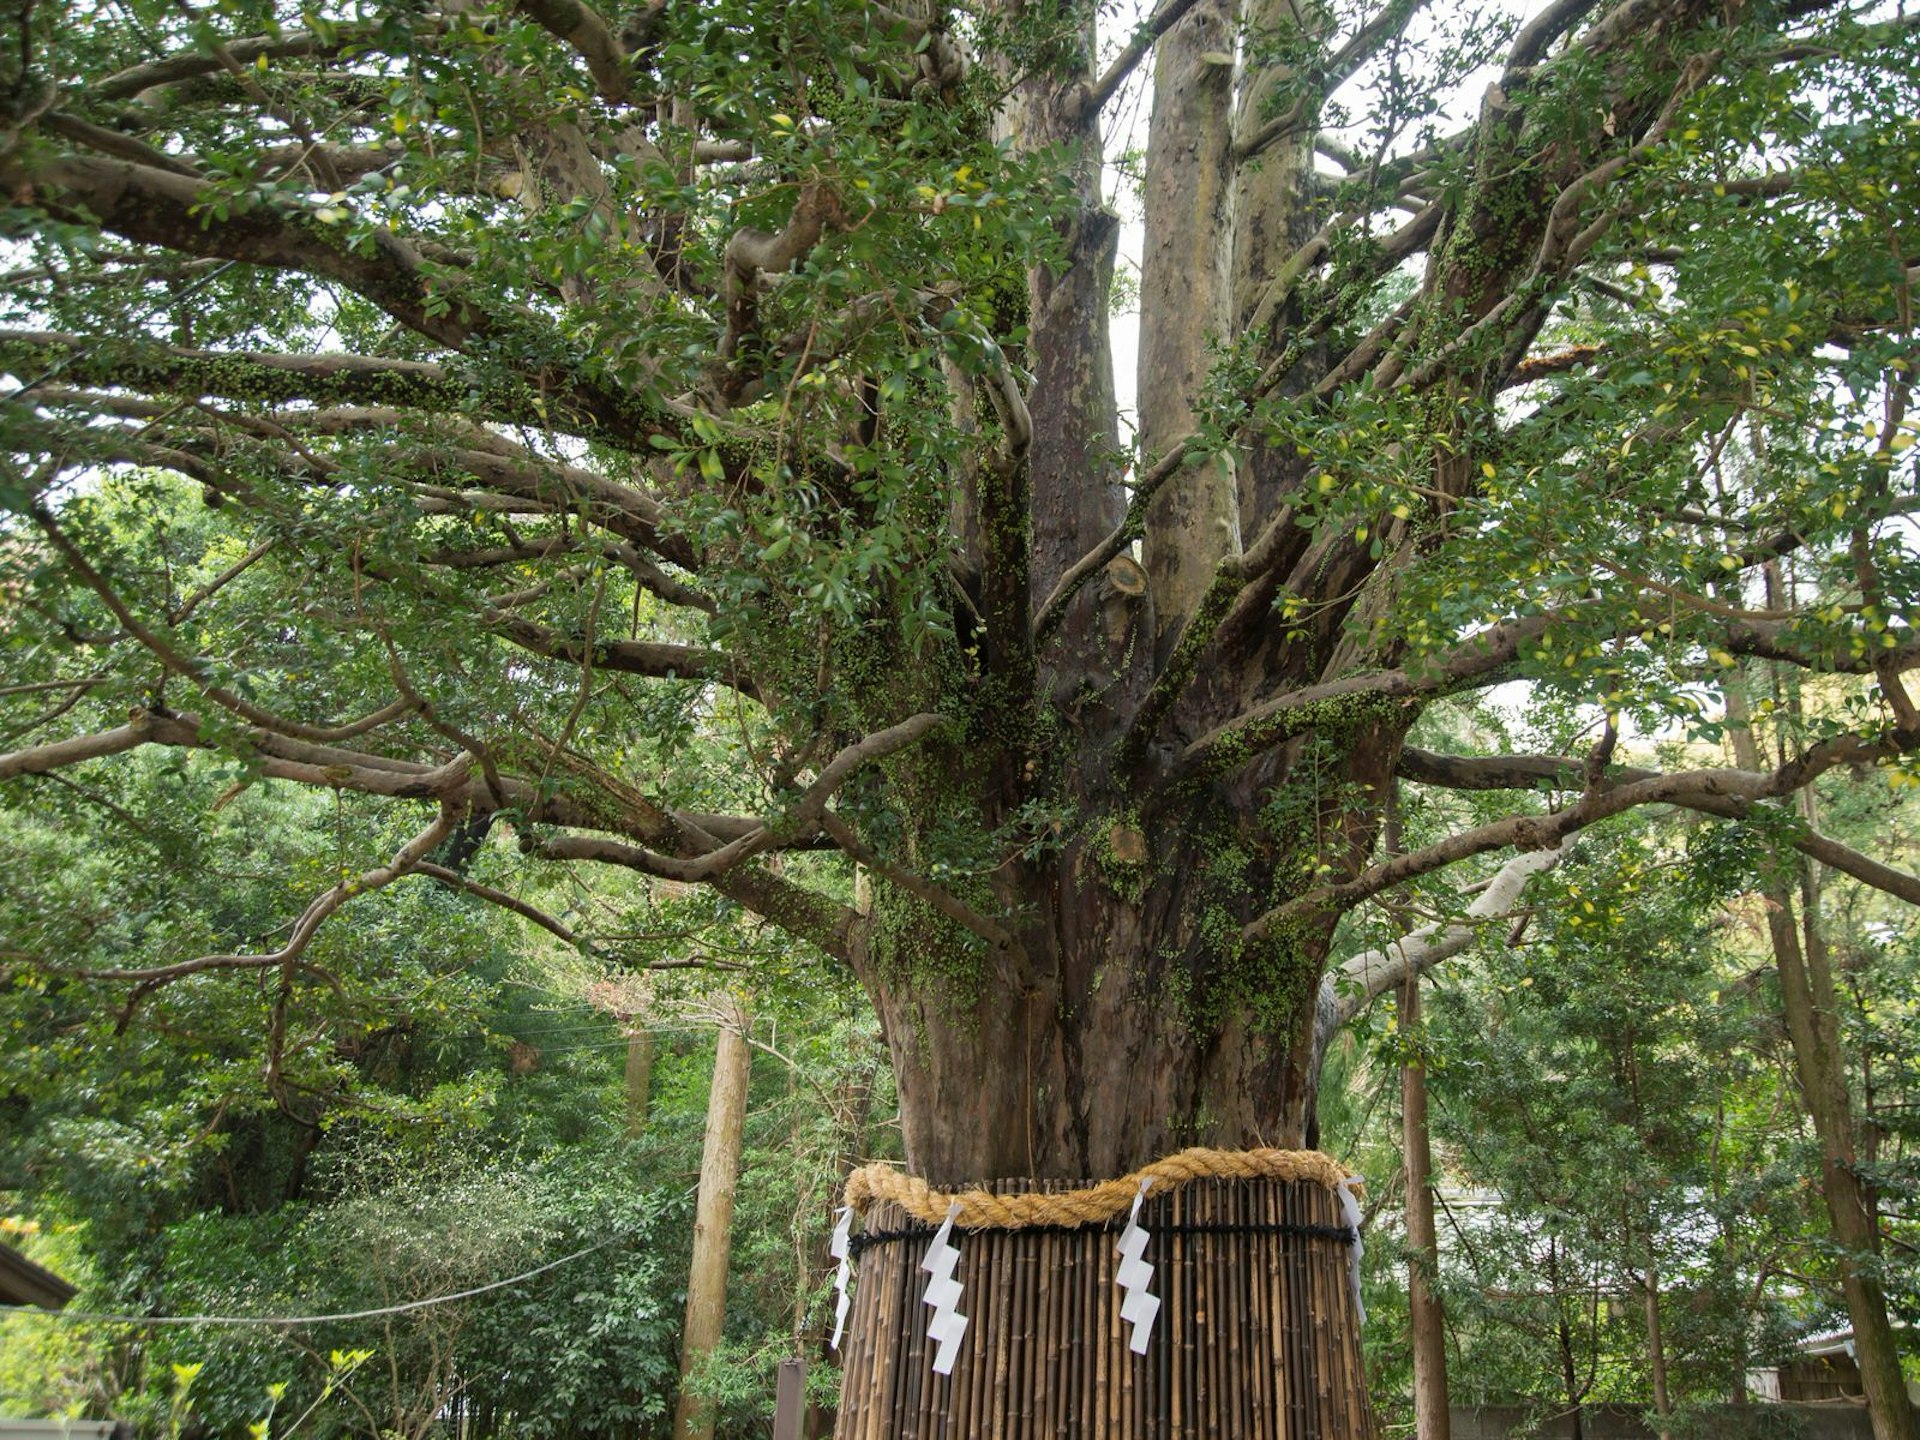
<point>1812,1013</point>
<point>1427,1319</point>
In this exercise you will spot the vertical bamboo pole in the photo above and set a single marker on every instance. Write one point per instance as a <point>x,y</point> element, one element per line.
<point>1197,1316</point>
<point>1311,1214</point>
<point>1076,1336</point>
<point>1298,1319</point>
<point>1334,1330</point>
<point>1069,1336</point>
<point>1232,1248</point>
<point>1261,1308</point>
<point>1052,1414</point>
<point>1213,1335</point>
<point>872,1381</point>
<point>1180,1330</point>
<point>899,1333</point>
<point>857,1341</point>
<point>1106,1333</point>
<point>1162,1351</point>
<point>917,1357</point>
<point>1270,1288</point>
<point>1081,1340</point>
<point>998,1362</point>
<point>879,1279</point>
<point>1026,1263</point>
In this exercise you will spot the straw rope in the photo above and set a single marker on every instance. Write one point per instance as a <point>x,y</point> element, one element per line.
<point>983,1210</point>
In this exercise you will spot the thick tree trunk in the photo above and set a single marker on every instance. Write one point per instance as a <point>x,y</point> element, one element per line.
<point>1427,1317</point>
<point>1127,1018</point>
<point>693,1417</point>
<point>1273,216</point>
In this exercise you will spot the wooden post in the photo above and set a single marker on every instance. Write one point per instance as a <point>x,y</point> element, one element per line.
<point>713,1223</point>
<point>639,1079</point>
<point>790,1399</point>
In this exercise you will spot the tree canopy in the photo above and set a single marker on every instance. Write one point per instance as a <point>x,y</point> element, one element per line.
<point>682,439</point>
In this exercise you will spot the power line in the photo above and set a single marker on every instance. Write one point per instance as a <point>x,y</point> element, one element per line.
<point>626,1033</point>
<point>308,1319</point>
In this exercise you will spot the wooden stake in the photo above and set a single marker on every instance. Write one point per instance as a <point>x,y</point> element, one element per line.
<point>713,1223</point>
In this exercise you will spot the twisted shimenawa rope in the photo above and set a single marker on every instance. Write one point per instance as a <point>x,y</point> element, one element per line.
<point>982,1210</point>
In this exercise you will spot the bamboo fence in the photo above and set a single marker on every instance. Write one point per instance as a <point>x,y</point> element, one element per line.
<point>1257,1337</point>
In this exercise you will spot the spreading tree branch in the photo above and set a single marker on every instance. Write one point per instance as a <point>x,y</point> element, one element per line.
<point>405,859</point>
<point>658,659</point>
<point>189,64</point>
<point>190,669</point>
<point>1094,97</point>
<point>583,27</point>
<point>1694,789</point>
<point>1480,661</point>
<point>1563,772</point>
<point>156,207</point>
<point>945,901</point>
<point>454,880</point>
<point>1359,981</point>
<point>773,833</point>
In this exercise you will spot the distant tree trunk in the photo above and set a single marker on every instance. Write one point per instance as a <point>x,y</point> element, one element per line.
<point>1563,1333</point>
<point>1430,1399</point>
<point>693,1417</point>
<point>639,1079</point>
<point>1812,1013</point>
<point>1656,1350</point>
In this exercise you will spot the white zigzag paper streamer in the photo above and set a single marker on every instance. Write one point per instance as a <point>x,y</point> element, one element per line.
<point>1141,1305</point>
<point>943,1294</point>
<point>839,1248</point>
<point>1350,1213</point>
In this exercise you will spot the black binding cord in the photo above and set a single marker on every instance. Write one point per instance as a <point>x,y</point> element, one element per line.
<point>1341,1234</point>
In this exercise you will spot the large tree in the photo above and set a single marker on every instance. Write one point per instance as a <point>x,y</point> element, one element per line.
<point>683,438</point>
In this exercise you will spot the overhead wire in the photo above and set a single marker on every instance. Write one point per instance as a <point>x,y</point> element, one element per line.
<point>374,1314</point>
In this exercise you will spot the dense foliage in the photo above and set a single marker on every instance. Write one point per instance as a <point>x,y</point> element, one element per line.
<point>1615,1107</point>
<point>447,1110</point>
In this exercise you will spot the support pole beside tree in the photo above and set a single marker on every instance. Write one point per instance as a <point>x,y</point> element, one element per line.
<point>693,1417</point>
